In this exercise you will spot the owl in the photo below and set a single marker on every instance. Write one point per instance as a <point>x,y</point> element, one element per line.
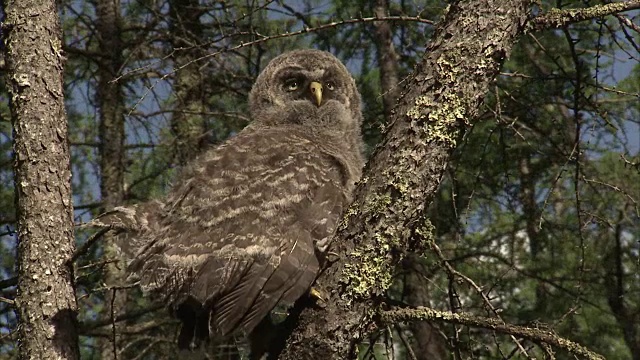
<point>246,224</point>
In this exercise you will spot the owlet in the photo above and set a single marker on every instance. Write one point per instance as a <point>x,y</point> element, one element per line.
<point>244,226</point>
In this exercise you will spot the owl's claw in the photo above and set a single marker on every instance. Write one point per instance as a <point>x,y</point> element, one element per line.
<point>320,297</point>
<point>331,253</point>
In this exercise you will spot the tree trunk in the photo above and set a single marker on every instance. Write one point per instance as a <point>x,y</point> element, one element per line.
<point>45,302</point>
<point>112,155</point>
<point>110,101</point>
<point>387,217</point>
<point>534,232</point>
<point>426,344</point>
<point>187,122</point>
<point>615,278</point>
<point>387,58</point>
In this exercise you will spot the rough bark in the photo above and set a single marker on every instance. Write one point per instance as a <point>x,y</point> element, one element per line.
<point>45,302</point>
<point>387,218</point>
<point>426,344</point>
<point>112,155</point>
<point>187,122</point>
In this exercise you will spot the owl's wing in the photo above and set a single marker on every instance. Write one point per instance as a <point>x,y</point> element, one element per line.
<point>284,278</point>
<point>130,222</point>
<point>238,234</point>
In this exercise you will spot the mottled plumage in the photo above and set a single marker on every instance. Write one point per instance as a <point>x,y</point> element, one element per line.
<point>243,226</point>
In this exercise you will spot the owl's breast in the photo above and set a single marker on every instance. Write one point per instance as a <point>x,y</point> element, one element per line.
<point>257,188</point>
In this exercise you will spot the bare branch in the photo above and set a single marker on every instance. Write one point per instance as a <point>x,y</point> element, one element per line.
<point>537,335</point>
<point>556,18</point>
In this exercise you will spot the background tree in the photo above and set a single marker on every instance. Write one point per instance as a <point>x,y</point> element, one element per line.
<point>111,134</point>
<point>538,205</point>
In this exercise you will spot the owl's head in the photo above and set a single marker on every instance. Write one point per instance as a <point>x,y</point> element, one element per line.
<point>307,87</point>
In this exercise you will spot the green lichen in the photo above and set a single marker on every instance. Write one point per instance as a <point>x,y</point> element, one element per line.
<point>443,120</point>
<point>377,203</point>
<point>440,119</point>
<point>420,104</point>
<point>398,180</point>
<point>367,271</point>
<point>344,222</point>
<point>424,236</point>
<point>448,72</point>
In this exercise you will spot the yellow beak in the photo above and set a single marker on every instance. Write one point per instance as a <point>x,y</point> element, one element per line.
<point>316,90</point>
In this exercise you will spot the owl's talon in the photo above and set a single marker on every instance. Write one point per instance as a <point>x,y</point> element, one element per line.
<point>317,295</point>
<point>331,253</point>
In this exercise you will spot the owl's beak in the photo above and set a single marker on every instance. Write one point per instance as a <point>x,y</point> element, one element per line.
<point>316,90</point>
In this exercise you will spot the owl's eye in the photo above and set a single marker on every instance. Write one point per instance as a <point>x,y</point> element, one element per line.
<point>330,85</point>
<point>291,84</point>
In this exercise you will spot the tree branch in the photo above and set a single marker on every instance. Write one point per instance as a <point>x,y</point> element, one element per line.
<point>556,18</point>
<point>87,245</point>
<point>440,103</point>
<point>537,335</point>
<point>87,327</point>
